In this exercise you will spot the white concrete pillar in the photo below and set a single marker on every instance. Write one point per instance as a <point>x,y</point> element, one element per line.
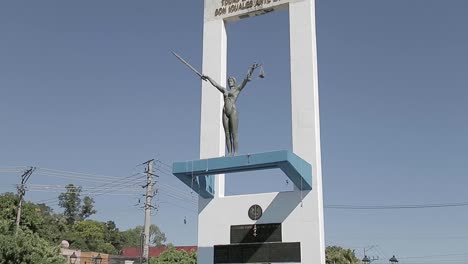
<point>212,142</point>
<point>305,116</point>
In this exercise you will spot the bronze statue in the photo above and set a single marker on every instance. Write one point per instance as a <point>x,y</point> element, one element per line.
<point>230,116</point>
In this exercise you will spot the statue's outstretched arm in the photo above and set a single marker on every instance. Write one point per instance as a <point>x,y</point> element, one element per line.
<point>248,78</point>
<point>215,84</point>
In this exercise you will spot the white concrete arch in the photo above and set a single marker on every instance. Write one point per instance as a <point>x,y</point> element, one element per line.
<point>304,220</point>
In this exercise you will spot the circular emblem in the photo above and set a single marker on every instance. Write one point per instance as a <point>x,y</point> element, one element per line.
<point>255,212</point>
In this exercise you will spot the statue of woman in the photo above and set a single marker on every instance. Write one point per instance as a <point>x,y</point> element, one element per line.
<point>230,115</point>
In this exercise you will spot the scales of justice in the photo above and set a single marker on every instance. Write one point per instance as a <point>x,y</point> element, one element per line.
<point>279,227</point>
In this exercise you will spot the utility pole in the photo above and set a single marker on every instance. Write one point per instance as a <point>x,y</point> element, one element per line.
<point>21,192</point>
<point>366,259</point>
<point>148,206</point>
<point>140,244</point>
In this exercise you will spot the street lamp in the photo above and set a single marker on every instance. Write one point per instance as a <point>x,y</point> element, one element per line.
<point>98,259</point>
<point>73,258</point>
<point>393,260</point>
<point>366,260</point>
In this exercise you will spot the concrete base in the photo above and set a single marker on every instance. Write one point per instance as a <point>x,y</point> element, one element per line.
<point>291,209</point>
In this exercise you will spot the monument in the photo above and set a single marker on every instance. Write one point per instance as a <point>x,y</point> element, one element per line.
<point>280,227</point>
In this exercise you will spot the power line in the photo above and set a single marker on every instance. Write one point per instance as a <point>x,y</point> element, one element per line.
<point>434,256</point>
<point>121,183</point>
<point>165,169</point>
<point>393,207</point>
<point>16,168</point>
<point>176,190</point>
<point>105,191</point>
<point>180,199</point>
<point>90,193</point>
<point>168,172</point>
<point>165,164</point>
<point>61,187</point>
<point>78,174</point>
<point>77,177</point>
<point>176,205</point>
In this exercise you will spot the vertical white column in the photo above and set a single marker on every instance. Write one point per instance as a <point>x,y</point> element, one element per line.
<point>212,143</point>
<point>306,120</point>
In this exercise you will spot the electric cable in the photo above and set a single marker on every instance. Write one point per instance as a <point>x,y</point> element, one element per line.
<point>393,207</point>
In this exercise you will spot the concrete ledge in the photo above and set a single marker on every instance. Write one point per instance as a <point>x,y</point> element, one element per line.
<point>189,172</point>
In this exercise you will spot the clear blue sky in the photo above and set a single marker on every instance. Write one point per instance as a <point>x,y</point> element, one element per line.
<point>91,87</point>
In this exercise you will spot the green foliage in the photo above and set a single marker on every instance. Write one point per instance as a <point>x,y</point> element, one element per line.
<point>4,226</point>
<point>106,247</point>
<point>51,226</point>
<point>90,230</point>
<point>339,255</point>
<point>39,220</point>
<point>88,208</point>
<point>90,235</point>
<point>113,235</point>
<point>171,255</point>
<point>26,248</point>
<point>132,237</point>
<point>8,204</point>
<point>70,201</point>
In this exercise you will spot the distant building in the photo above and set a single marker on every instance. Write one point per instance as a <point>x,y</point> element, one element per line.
<point>82,257</point>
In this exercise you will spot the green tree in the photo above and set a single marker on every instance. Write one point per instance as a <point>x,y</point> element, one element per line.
<point>26,248</point>
<point>40,220</point>
<point>70,201</point>
<point>172,255</point>
<point>339,255</point>
<point>8,206</point>
<point>37,218</point>
<point>90,235</point>
<point>54,226</point>
<point>107,248</point>
<point>132,237</point>
<point>88,208</point>
<point>113,235</point>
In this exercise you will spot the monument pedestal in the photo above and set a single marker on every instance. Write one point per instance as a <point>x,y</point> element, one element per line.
<point>253,228</point>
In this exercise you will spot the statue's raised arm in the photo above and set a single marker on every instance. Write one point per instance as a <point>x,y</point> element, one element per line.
<point>248,78</point>
<point>214,83</point>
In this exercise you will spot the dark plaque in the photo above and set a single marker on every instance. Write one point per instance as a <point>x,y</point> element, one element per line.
<point>256,233</point>
<point>222,255</point>
<point>285,252</point>
<point>275,252</point>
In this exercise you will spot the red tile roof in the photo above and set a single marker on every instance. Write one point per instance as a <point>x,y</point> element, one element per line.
<point>154,251</point>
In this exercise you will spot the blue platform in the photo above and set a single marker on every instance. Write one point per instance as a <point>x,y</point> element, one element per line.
<point>197,174</point>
